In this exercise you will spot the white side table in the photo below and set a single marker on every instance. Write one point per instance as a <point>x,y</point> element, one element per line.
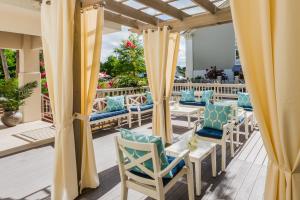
<point>202,150</point>
<point>185,111</point>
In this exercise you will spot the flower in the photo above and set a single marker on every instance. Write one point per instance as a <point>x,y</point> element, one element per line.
<point>43,74</point>
<point>129,44</point>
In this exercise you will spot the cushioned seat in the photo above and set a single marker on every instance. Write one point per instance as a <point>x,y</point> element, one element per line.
<point>247,108</point>
<point>192,103</point>
<point>166,180</point>
<point>143,107</point>
<point>103,115</point>
<point>210,133</point>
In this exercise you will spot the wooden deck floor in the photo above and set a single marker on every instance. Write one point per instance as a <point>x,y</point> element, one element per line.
<point>28,175</point>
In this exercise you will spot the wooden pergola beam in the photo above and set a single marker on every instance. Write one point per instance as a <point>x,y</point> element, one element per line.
<point>207,5</point>
<point>164,8</point>
<point>203,20</point>
<point>119,19</point>
<point>124,10</point>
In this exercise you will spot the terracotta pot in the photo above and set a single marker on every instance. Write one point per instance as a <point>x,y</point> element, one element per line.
<point>11,118</point>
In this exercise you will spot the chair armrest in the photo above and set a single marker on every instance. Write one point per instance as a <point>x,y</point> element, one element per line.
<point>173,164</point>
<point>197,124</point>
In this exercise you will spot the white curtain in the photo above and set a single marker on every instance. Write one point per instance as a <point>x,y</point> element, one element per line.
<point>161,53</point>
<point>92,23</point>
<point>268,38</point>
<point>57,21</point>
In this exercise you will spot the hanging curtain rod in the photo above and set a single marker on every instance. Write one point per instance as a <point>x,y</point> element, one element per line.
<point>155,29</point>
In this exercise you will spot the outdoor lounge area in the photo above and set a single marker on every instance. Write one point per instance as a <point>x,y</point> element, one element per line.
<point>149,99</point>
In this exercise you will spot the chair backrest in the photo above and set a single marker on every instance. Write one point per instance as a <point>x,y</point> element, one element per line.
<point>126,161</point>
<point>136,99</point>
<point>100,104</point>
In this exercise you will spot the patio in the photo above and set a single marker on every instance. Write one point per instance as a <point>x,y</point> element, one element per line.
<point>31,171</point>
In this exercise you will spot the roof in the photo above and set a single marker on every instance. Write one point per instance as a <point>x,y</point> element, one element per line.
<point>180,15</point>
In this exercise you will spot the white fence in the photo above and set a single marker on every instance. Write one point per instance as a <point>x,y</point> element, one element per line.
<point>221,91</point>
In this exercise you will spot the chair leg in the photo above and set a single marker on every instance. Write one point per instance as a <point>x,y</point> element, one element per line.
<point>223,156</point>
<point>140,119</point>
<point>129,120</point>
<point>237,136</point>
<point>124,192</point>
<point>214,162</point>
<point>231,144</point>
<point>161,194</point>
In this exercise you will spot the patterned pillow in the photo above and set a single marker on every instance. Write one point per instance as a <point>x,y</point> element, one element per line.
<point>142,138</point>
<point>215,116</point>
<point>115,103</point>
<point>244,99</point>
<point>206,95</point>
<point>149,99</point>
<point>187,95</point>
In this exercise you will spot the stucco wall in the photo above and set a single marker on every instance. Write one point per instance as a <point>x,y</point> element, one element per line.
<point>214,46</point>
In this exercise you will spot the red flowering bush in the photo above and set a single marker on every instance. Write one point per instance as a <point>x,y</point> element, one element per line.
<point>130,44</point>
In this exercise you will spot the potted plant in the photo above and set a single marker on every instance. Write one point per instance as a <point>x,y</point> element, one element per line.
<point>11,98</point>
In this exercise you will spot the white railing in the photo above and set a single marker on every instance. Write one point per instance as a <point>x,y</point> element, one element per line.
<point>120,91</point>
<point>46,109</point>
<point>222,91</point>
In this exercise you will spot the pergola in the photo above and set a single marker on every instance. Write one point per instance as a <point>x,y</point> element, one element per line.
<point>179,15</point>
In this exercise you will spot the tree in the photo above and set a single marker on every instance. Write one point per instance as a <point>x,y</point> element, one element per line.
<point>128,58</point>
<point>8,60</point>
<point>4,64</point>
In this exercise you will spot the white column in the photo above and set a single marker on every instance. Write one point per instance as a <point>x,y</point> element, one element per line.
<point>30,71</point>
<point>189,54</point>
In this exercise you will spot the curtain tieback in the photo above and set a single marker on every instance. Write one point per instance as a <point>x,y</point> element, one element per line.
<point>79,116</point>
<point>283,169</point>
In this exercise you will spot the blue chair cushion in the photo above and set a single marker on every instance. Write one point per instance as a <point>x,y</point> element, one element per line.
<point>216,116</point>
<point>142,107</point>
<point>166,180</point>
<point>149,99</point>
<point>210,133</point>
<point>103,115</point>
<point>143,138</point>
<point>115,103</point>
<point>206,95</point>
<point>192,103</point>
<point>247,108</point>
<point>187,95</point>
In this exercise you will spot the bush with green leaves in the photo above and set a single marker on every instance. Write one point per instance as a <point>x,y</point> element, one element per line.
<point>12,96</point>
<point>129,81</point>
<point>128,59</point>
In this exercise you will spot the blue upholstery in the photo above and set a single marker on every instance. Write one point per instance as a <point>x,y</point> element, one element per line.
<point>166,180</point>
<point>142,107</point>
<point>192,103</point>
<point>103,115</point>
<point>247,108</point>
<point>210,133</point>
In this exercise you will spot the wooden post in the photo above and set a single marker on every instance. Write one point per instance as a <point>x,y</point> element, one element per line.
<point>77,84</point>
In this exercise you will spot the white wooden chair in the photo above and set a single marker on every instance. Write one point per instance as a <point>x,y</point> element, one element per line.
<point>137,106</point>
<point>153,186</point>
<point>99,109</point>
<point>226,136</point>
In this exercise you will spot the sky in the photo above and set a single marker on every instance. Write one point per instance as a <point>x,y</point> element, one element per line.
<point>110,41</point>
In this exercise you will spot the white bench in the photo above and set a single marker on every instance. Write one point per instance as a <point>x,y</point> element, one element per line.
<point>137,106</point>
<point>100,115</point>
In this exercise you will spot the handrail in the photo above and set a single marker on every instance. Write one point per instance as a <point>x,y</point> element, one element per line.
<point>221,91</point>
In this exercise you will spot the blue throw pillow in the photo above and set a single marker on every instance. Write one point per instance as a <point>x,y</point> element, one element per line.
<point>115,103</point>
<point>215,116</point>
<point>187,95</point>
<point>149,99</point>
<point>244,100</point>
<point>206,96</point>
<point>143,138</point>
